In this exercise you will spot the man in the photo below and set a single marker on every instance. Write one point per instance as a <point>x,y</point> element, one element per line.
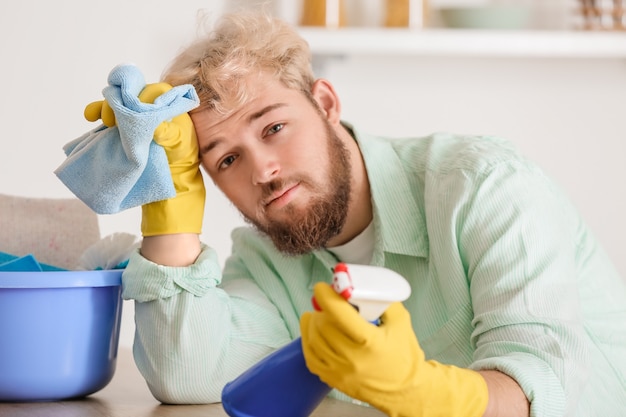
<point>515,310</point>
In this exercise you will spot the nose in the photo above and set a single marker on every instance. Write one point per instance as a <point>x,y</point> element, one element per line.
<point>265,166</point>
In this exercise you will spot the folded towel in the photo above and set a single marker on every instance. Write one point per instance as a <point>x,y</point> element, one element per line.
<point>115,168</point>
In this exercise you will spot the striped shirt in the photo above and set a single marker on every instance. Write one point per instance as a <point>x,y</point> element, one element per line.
<point>504,274</point>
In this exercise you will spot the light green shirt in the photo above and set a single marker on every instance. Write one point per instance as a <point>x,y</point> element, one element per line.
<point>504,275</point>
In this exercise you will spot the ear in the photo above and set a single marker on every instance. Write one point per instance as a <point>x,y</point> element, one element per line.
<point>324,93</point>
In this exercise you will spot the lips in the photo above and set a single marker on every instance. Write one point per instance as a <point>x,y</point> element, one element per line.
<point>278,195</point>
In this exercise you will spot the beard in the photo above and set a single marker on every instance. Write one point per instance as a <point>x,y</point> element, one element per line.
<point>312,228</point>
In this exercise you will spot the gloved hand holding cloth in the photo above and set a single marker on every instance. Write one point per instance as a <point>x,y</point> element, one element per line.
<point>182,213</point>
<point>384,365</point>
<point>146,151</point>
<point>144,154</point>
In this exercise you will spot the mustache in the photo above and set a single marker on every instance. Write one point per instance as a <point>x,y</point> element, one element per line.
<point>271,187</point>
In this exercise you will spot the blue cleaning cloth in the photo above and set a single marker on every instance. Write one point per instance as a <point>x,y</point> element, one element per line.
<point>115,168</point>
<point>27,263</point>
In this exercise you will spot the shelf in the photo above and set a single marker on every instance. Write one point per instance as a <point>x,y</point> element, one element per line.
<point>465,42</point>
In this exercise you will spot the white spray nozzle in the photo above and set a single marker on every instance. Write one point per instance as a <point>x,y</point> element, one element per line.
<point>370,288</point>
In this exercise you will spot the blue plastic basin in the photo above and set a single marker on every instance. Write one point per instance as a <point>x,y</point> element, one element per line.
<point>59,333</point>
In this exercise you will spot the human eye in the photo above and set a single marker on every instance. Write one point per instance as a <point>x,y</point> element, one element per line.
<point>275,128</point>
<point>226,162</point>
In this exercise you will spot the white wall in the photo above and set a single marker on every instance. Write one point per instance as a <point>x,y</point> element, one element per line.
<point>566,114</point>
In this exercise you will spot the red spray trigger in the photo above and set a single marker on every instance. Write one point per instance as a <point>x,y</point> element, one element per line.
<point>342,284</point>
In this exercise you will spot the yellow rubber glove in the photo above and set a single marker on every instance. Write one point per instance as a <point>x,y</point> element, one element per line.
<point>100,110</point>
<point>184,212</point>
<point>384,365</point>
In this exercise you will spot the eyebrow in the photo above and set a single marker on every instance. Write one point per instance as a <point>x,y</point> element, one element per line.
<point>254,116</point>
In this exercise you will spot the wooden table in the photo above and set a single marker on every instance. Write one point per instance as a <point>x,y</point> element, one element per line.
<point>128,396</point>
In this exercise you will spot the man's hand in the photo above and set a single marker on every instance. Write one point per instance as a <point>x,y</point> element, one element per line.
<point>100,110</point>
<point>384,365</point>
<point>184,212</point>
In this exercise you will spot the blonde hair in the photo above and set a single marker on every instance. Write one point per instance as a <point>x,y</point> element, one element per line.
<point>242,44</point>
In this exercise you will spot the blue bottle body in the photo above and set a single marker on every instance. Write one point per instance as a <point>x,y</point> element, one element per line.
<point>280,385</point>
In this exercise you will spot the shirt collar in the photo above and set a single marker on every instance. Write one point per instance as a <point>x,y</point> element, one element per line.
<point>398,218</point>
<point>394,202</point>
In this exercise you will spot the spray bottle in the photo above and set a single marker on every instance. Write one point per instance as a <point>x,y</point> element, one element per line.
<point>280,385</point>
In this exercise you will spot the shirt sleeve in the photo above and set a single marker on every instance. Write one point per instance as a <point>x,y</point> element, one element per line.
<point>192,334</point>
<point>518,240</point>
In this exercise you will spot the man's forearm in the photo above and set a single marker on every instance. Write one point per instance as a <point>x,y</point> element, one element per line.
<point>180,249</point>
<point>506,398</point>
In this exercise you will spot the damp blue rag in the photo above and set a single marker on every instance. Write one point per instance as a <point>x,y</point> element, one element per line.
<point>112,169</point>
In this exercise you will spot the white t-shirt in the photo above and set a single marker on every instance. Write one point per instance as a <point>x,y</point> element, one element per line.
<point>359,250</point>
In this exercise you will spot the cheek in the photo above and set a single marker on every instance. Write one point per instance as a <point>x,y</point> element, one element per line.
<point>306,149</point>
<point>316,162</point>
<point>238,193</point>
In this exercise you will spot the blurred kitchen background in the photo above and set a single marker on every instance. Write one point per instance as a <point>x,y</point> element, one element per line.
<point>550,75</point>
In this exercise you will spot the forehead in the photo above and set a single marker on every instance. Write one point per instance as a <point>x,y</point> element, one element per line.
<point>262,91</point>
<point>240,92</point>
